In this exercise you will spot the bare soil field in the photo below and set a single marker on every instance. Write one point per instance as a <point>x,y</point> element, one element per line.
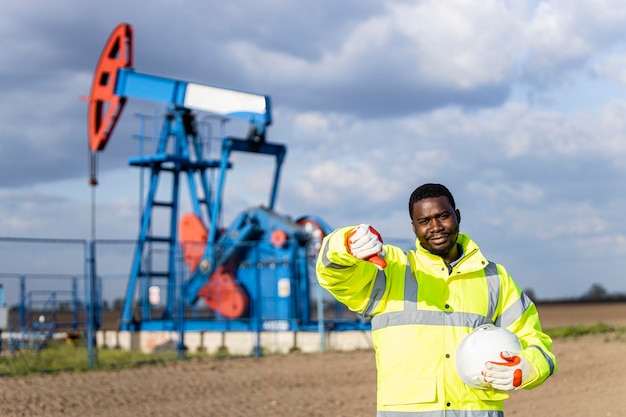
<point>590,382</point>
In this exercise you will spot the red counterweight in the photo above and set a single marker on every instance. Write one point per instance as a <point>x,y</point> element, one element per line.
<point>104,105</point>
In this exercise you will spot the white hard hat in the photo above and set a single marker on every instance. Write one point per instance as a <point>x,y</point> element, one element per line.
<point>482,345</point>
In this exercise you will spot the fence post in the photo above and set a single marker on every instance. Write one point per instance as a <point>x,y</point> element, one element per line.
<point>179,283</point>
<point>258,304</point>
<point>320,317</point>
<point>91,300</point>
<point>74,303</point>
<point>22,302</point>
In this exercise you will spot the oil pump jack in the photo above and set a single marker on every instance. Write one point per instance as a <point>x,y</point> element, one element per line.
<point>252,275</point>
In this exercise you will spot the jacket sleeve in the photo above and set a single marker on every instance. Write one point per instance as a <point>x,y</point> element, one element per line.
<point>350,280</point>
<point>519,315</point>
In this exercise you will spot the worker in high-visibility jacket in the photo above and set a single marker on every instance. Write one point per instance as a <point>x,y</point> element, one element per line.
<point>423,302</point>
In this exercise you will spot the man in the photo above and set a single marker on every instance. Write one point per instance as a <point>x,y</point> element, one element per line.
<point>423,302</point>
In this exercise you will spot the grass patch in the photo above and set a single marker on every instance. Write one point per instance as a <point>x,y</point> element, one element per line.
<point>57,358</point>
<point>578,331</point>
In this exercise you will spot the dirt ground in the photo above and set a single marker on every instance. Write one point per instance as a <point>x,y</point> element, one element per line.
<point>590,382</point>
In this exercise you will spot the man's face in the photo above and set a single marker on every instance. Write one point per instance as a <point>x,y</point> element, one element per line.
<point>436,225</point>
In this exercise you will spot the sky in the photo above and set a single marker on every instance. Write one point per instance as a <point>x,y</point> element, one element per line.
<point>517,106</point>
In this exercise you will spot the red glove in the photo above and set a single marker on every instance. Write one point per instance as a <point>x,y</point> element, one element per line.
<point>512,374</point>
<point>364,242</point>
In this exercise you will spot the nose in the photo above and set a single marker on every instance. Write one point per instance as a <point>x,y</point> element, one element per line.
<point>437,225</point>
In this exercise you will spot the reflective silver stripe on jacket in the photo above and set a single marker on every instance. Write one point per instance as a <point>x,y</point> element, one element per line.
<point>380,285</point>
<point>442,413</point>
<point>514,311</point>
<point>327,263</point>
<point>493,283</point>
<point>411,315</point>
<point>548,358</point>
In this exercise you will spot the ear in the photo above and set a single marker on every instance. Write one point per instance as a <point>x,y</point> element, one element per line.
<point>458,216</point>
<point>413,227</point>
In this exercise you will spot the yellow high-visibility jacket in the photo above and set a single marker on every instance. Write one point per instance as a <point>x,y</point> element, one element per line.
<point>420,311</point>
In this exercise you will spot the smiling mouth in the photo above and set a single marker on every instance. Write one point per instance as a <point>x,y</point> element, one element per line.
<point>438,239</point>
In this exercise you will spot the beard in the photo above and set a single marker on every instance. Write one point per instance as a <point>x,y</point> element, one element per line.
<point>446,247</point>
<point>443,251</point>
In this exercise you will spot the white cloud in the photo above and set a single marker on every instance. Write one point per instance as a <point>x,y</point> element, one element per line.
<point>447,44</point>
<point>591,247</point>
<point>564,35</point>
<point>506,193</point>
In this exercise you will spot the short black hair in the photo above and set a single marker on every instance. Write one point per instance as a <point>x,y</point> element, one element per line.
<point>428,191</point>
